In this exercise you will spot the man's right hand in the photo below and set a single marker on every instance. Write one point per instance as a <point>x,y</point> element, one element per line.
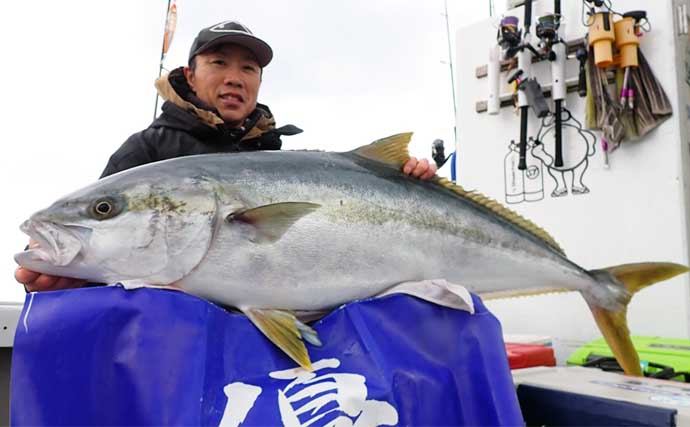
<point>37,282</point>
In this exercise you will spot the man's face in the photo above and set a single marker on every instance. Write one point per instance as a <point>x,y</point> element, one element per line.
<point>228,79</point>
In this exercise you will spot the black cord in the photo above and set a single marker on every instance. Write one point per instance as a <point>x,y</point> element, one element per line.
<point>582,15</point>
<point>438,167</point>
<point>608,5</point>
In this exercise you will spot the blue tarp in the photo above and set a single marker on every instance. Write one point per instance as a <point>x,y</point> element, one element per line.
<point>108,356</point>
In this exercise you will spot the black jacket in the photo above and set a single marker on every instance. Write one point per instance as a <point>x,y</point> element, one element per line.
<point>188,127</point>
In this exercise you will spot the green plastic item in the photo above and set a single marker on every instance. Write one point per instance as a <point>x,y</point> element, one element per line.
<point>656,351</point>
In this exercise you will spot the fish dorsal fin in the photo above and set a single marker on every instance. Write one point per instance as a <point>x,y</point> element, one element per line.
<point>500,210</point>
<point>391,151</point>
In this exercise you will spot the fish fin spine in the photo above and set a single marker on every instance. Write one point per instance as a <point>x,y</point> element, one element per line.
<point>502,211</point>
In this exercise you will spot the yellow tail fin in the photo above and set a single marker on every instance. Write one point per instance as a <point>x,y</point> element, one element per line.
<point>613,324</point>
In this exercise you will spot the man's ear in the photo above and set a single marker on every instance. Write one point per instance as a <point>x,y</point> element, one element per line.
<point>189,75</point>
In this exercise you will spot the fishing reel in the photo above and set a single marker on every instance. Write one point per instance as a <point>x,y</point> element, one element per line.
<point>509,36</point>
<point>547,27</point>
<point>438,153</point>
<point>547,32</point>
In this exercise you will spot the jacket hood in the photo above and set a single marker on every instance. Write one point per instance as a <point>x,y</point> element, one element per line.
<point>188,112</point>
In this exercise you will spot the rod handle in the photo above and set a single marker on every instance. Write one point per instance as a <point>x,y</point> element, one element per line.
<point>522,163</point>
<point>581,56</point>
<point>559,137</point>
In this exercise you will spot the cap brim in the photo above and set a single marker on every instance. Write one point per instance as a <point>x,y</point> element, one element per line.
<point>258,47</point>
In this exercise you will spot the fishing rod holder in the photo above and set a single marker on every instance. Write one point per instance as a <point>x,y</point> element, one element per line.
<point>627,41</point>
<point>601,37</point>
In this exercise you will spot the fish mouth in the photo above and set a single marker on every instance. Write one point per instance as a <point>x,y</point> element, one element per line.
<point>53,244</point>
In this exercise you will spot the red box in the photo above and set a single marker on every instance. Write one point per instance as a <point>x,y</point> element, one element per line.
<point>528,355</point>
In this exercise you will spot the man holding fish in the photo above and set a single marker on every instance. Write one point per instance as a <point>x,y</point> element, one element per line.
<point>309,230</point>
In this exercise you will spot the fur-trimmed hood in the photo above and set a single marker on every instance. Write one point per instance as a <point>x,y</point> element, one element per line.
<point>174,89</point>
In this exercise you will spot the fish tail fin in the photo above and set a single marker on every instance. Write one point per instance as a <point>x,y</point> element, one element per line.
<point>624,281</point>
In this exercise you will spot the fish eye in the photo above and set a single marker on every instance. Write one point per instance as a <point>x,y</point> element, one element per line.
<point>104,208</point>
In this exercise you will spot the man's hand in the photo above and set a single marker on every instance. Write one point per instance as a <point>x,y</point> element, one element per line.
<point>36,282</point>
<point>421,169</point>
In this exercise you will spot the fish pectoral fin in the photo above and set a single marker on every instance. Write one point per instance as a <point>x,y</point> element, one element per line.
<point>272,221</point>
<point>285,331</point>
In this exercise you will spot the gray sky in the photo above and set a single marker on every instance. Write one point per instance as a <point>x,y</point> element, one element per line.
<point>78,80</point>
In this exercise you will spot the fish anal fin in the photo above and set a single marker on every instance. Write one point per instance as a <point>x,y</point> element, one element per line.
<point>391,150</point>
<point>286,332</point>
<point>517,293</point>
<point>272,221</point>
<point>613,323</point>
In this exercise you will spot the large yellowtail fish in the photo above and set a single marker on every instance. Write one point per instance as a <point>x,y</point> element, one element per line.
<point>276,232</point>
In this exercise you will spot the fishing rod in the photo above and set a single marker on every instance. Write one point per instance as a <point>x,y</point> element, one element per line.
<point>548,30</point>
<point>508,39</point>
<point>558,89</point>
<point>529,91</point>
<point>525,65</point>
<point>450,66</point>
<point>511,42</point>
<point>170,24</point>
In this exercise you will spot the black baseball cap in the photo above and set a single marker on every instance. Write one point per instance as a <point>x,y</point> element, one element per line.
<point>231,32</point>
